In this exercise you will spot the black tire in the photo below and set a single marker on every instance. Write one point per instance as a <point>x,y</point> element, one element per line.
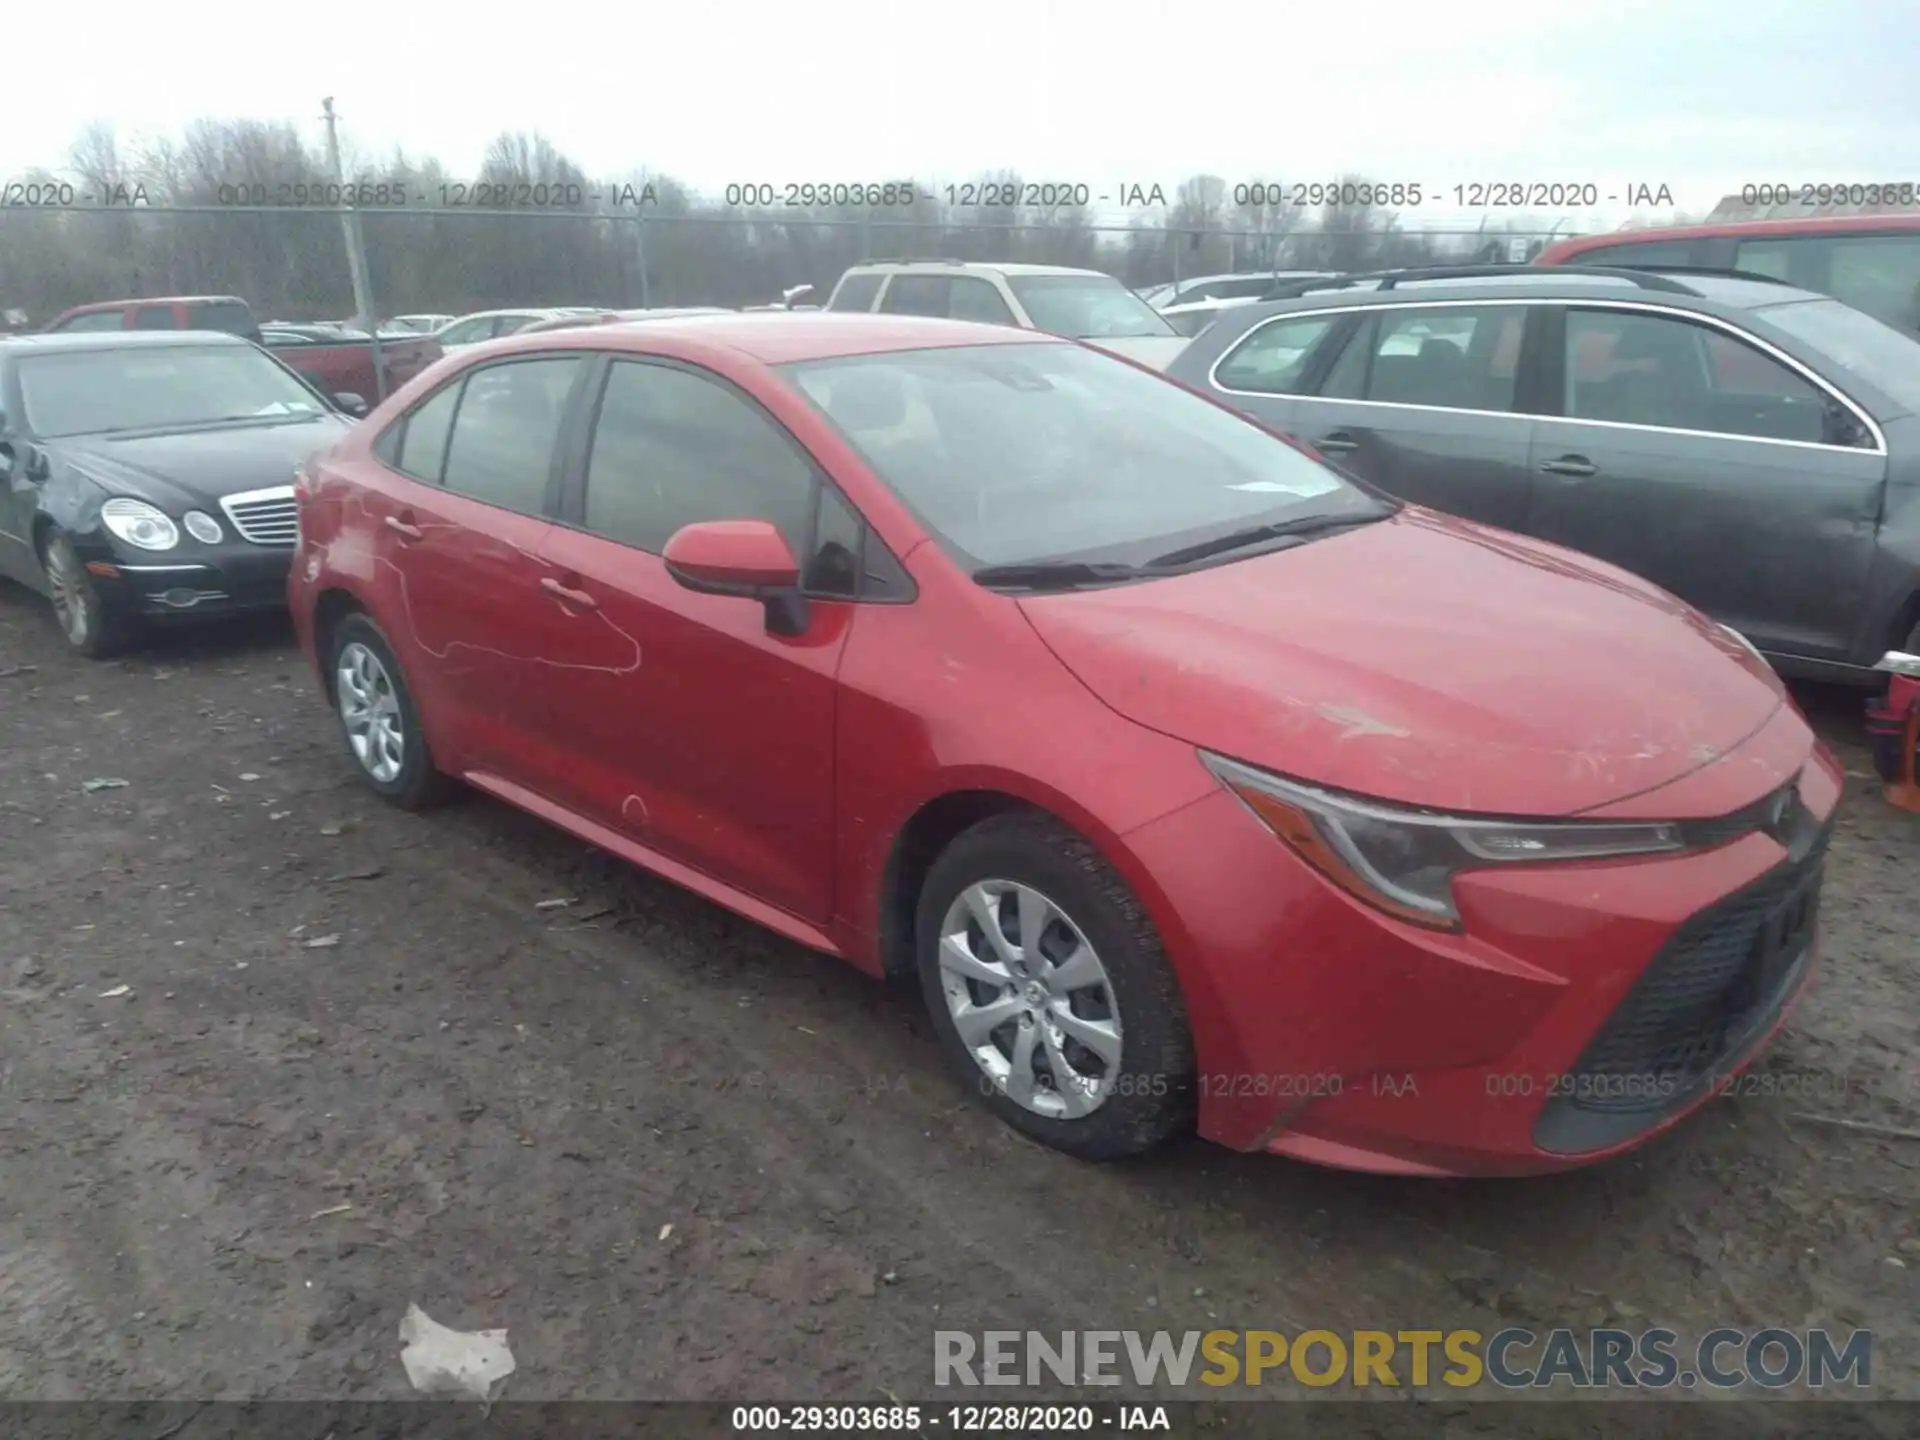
<point>1153,1100</point>
<point>86,623</point>
<point>418,783</point>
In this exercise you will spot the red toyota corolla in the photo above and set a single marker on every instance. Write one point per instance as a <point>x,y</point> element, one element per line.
<point>1197,783</point>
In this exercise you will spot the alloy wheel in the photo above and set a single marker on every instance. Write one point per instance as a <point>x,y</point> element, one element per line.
<point>1030,998</point>
<point>370,712</point>
<point>72,598</point>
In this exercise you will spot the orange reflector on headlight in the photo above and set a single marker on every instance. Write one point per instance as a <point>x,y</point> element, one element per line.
<point>102,568</point>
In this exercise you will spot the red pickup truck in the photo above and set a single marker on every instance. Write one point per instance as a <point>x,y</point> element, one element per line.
<point>343,366</point>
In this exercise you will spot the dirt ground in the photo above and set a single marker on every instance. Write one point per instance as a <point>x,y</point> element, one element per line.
<point>517,1103</point>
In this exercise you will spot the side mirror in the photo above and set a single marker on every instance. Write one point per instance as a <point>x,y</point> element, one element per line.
<point>747,558</point>
<point>348,401</point>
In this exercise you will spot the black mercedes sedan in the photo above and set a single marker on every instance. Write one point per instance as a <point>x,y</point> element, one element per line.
<point>148,477</point>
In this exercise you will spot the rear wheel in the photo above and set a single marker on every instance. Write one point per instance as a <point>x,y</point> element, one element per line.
<point>89,627</point>
<point>378,720</point>
<point>1050,990</point>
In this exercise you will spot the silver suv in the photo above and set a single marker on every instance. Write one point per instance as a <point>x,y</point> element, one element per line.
<point>1079,304</point>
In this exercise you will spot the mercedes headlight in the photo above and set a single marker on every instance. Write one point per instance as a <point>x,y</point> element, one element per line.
<point>1403,861</point>
<point>143,526</point>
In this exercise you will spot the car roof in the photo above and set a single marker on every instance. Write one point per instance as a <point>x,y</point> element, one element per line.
<point>778,338</point>
<point>154,300</point>
<point>1810,225</point>
<point>1004,267</point>
<point>119,340</point>
<point>1702,291</point>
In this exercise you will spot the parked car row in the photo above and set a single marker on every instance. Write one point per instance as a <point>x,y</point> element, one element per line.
<point>793,609</point>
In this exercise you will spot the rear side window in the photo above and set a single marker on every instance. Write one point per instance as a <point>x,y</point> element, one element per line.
<point>509,419</point>
<point>230,316</point>
<point>1457,358</point>
<point>975,299</point>
<point>1271,360</point>
<point>1647,252</point>
<point>917,295</point>
<point>153,317</point>
<point>419,447</point>
<point>1879,274</point>
<point>93,320</point>
<point>856,292</point>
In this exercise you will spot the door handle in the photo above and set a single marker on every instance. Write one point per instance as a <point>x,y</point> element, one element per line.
<point>579,599</point>
<point>1339,442</point>
<point>401,527</point>
<point>1571,465</point>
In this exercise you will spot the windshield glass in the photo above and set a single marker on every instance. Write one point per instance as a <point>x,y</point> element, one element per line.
<point>1085,307</point>
<point>90,392</point>
<point>1884,357</point>
<point>1017,453</point>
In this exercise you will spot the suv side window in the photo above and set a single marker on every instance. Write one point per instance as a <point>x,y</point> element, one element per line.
<point>1879,274</point>
<point>1632,368</point>
<point>153,317</point>
<point>502,446</point>
<point>972,298</point>
<point>671,448</point>
<point>1645,252</point>
<point>1271,360</point>
<point>465,331</point>
<point>93,320</point>
<point>856,292</point>
<point>1457,357</point>
<point>917,295</point>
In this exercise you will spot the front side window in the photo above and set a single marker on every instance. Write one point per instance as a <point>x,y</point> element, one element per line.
<point>1645,254</point>
<point>1460,357</point>
<point>672,448</point>
<point>1632,368</point>
<point>465,332</point>
<point>1018,453</point>
<point>1271,360</point>
<point>1085,307</point>
<point>917,295</point>
<point>153,317</point>
<point>146,387</point>
<point>1879,274</point>
<point>230,316</point>
<point>972,298</point>
<point>508,422</point>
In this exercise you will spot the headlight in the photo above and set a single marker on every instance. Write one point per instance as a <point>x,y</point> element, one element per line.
<point>139,524</point>
<point>1403,861</point>
<point>202,526</point>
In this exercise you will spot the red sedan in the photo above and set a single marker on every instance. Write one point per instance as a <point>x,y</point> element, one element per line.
<point>1199,784</point>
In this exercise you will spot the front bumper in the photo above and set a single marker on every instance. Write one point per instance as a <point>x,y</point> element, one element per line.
<point>1584,1008</point>
<point>190,582</point>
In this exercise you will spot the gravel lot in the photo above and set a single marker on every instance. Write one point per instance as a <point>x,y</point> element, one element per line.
<point>517,1102</point>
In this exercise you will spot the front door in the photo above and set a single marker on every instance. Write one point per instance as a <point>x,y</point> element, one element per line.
<point>687,724</point>
<point>1425,402</point>
<point>1711,468</point>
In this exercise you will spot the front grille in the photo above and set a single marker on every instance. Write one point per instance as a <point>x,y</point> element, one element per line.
<point>1699,1005</point>
<point>266,517</point>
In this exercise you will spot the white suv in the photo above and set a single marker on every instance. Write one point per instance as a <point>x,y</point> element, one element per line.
<point>1079,304</point>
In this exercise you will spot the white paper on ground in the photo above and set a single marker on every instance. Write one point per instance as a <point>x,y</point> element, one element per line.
<point>441,1361</point>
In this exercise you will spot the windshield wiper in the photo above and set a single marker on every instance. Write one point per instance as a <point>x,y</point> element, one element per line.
<point>1060,574</point>
<point>1256,534</point>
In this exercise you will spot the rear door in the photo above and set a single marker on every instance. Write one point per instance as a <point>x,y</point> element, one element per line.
<point>1426,401</point>
<point>1708,463</point>
<point>460,529</point>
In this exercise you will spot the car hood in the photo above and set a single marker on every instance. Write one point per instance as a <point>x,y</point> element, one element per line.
<point>1423,660</point>
<point>1155,350</point>
<point>181,469</point>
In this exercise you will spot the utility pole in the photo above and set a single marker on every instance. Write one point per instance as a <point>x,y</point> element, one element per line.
<point>357,266</point>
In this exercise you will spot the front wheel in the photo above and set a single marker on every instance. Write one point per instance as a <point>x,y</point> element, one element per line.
<point>90,628</point>
<point>1051,992</point>
<point>378,719</point>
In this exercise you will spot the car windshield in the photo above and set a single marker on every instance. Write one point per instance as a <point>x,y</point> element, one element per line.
<point>1086,307</point>
<point>93,392</point>
<point>1884,357</point>
<point>1014,454</point>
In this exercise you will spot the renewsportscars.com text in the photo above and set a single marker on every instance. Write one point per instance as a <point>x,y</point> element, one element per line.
<point>1510,1359</point>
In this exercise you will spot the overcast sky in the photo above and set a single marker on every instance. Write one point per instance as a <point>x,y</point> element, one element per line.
<point>1700,95</point>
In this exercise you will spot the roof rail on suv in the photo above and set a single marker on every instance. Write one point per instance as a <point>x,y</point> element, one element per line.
<point>1646,279</point>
